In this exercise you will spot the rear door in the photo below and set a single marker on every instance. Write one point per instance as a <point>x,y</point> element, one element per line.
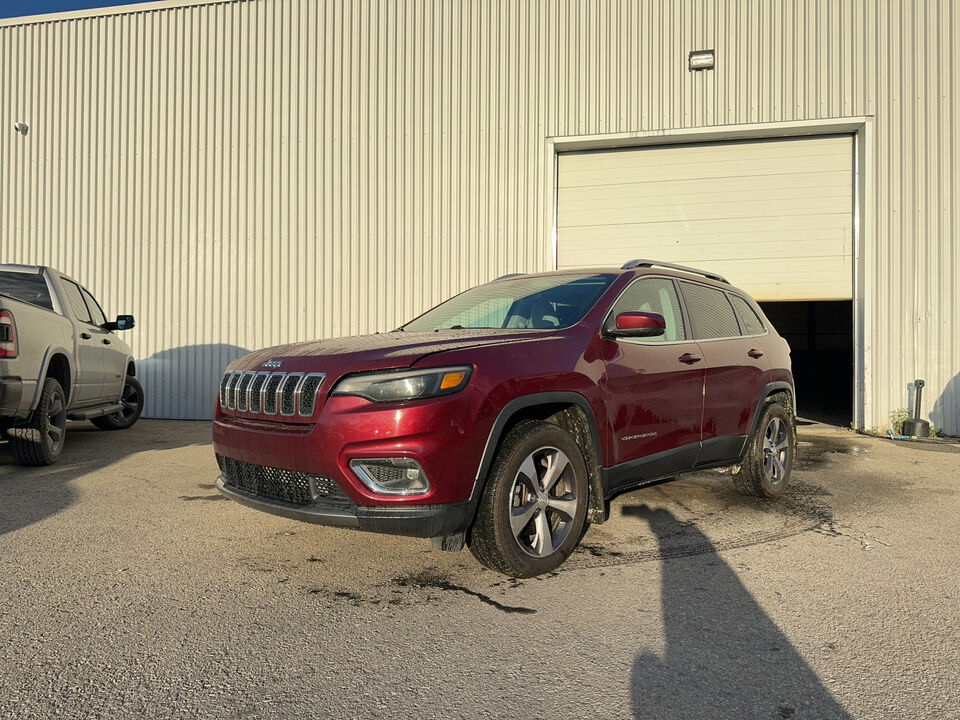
<point>654,386</point>
<point>737,370</point>
<point>89,382</point>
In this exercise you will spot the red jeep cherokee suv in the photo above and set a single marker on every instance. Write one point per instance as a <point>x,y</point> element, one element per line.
<point>507,417</point>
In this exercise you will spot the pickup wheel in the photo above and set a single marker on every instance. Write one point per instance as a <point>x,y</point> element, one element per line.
<point>40,440</point>
<point>766,466</point>
<point>533,510</point>
<point>132,399</point>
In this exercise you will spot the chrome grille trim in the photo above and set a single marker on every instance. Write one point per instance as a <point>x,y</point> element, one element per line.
<point>223,389</point>
<point>271,393</point>
<point>231,390</point>
<point>310,399</point>
<point>268,406</point>
<point>242,391</point>
<point>287,396</point>
<point>255,402</point>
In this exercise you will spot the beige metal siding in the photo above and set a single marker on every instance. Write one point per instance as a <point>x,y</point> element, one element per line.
<point>243,173</point>
<point>775,217</point>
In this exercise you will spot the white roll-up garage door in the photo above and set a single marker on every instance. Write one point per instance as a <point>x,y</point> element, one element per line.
<point>774,216</point>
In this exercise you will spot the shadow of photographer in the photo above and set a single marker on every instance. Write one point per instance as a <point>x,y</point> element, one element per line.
<point>724,657</point>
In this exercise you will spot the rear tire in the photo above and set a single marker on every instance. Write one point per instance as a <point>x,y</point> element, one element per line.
<point>40,440</point>
<point>533,510</point>
<point>132,399</point>
<point>766,466</point>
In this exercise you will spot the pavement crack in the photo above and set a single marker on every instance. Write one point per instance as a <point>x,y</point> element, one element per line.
<point>428,579</point>
<point>866,540</point>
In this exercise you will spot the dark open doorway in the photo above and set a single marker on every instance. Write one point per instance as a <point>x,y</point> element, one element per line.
<point>820,334</point>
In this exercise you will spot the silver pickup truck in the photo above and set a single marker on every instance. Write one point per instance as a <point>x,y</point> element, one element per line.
<point>60,359</point>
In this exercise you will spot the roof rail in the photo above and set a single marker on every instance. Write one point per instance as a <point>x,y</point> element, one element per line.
<point>508,276</point>
<point>656,263</point>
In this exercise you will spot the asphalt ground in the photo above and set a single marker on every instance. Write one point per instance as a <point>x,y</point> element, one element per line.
<point>130,588</point>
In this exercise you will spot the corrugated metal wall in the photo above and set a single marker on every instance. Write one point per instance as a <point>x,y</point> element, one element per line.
<point>244,173</point>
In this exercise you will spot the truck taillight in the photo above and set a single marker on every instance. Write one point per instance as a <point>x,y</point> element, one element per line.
<point>8,335</point>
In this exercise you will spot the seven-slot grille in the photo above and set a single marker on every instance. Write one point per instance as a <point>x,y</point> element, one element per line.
<point>266,393</point>
<point>292,486</point>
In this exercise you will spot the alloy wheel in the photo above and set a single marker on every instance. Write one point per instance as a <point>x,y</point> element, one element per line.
<point>543,501</point>
<point>776,451</point>
<point>130,401</point>
<point>56,424</point>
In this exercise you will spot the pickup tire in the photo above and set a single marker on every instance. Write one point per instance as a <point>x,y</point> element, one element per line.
<point>132,399</point>
<point>533,509</point>
<point>40,440</point>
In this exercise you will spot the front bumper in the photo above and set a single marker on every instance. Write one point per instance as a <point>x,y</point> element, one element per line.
<point>424,521</point>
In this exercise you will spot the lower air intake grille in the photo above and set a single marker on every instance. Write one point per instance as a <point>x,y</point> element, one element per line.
<point>292,486</point>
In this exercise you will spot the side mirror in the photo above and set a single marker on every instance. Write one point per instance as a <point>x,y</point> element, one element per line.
<point>638,324</point>
<point>123,322</point>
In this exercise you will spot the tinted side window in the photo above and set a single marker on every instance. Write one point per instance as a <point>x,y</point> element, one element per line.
<point>75,299</point>
<point>711,314</point>
<point>749,321</point>
<point>94,307</point>
<point>26,287</point>
<point>656,295</point>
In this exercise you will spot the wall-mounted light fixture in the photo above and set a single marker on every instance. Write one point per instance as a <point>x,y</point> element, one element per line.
<point>700,60</point>
<point>21,128</point>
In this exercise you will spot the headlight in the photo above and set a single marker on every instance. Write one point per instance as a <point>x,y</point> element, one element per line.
<point>405,385</point>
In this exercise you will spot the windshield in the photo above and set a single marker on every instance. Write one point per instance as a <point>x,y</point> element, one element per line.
<point>542,303</point>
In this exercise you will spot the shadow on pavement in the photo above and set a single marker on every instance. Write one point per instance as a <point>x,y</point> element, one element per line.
<point>30,494</point>
<point>724,657</point>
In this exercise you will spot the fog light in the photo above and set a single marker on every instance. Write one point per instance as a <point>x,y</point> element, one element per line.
<point>391,476</point>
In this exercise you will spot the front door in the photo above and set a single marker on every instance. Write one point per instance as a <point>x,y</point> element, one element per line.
<point>654,386</point>
<point>112,353</point>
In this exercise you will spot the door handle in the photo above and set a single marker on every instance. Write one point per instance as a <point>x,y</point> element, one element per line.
<point>689,359</point>
<point>86,336</point>
<point>754,353</point>
<point>105,341</point>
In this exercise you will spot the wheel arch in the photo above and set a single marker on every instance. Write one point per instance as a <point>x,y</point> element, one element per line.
<point>568,410</point>
<point>779,391</point>
<point>56,364</point>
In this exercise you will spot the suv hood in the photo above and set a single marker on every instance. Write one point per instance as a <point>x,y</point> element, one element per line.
<point>339,356</point>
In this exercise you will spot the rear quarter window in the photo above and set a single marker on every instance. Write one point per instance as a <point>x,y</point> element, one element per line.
<point>26,287</point>
<point>711,314</point>
<point>749,320</point>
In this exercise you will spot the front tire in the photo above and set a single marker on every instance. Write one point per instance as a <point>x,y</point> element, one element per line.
<point>40,441</point>
<point>533,510</point>
<point>132,399</point>
<point>766,466</point>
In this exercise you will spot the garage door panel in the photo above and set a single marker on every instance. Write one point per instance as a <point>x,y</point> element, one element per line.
<point>815,225</point>
<point>587,215</point>
<point>586,175</point>
<point>826,182</point>
<point>780,235</point>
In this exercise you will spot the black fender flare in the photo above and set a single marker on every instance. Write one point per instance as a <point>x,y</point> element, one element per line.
<point>597,506</point>
<point>534,400</point>
<point>768,390</point>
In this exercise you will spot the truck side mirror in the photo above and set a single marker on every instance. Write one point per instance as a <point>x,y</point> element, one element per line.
<point>123,322</point>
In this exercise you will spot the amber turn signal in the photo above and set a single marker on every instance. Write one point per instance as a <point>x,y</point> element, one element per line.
<point>452,379</point>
